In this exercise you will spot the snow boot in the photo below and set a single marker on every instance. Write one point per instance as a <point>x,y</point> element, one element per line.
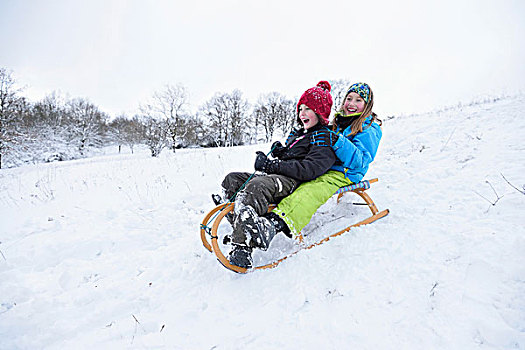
<point>279,223</point>
<point>218,200</point>
<point>258,230</point>
<point>241,256</point>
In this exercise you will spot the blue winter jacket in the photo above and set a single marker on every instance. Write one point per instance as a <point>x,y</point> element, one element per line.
<point>356,152</point>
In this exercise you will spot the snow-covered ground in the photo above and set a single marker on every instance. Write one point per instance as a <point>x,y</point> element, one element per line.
<point>105,253</point>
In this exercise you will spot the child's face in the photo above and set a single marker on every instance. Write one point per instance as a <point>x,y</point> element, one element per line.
<point>354,103</point>
<point>307,116</point>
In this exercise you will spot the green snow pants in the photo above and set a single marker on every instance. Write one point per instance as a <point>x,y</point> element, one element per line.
<point>298,208</point>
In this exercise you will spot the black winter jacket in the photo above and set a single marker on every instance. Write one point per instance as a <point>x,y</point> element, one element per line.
<point>302,159</point>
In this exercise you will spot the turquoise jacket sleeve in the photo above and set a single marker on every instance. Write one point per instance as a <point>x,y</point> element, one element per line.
<point>356,153</point>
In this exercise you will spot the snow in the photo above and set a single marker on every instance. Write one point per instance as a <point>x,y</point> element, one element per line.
<point>105,252</point>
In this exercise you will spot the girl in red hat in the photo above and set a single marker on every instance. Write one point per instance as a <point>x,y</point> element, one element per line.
<point>306,155</point>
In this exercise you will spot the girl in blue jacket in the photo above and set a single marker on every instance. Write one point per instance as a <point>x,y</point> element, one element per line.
<point>356,135</point>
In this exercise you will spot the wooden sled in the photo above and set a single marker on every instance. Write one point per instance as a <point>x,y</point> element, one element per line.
<point>220,211</point>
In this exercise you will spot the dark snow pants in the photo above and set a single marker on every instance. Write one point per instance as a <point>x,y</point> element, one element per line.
<point>256,195</point>
<point>260,191</point>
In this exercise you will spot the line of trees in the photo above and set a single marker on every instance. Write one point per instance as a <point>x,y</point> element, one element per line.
<point>60,128</point>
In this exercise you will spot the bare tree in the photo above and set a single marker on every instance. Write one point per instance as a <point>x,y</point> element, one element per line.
<point>133,134</point>
<point>226,115</point>
<point>289,112</point>
<point>126,131</point>
<point>273,110</point>
<point>50,111</point>
<point>47,120</point>
<point>238,109</point>
<point>154,134</point>
<point>339,89</point>
<point>196,132</point>
<point>117,129</point>
<point>10,104</point>
<point>214,112</point>
<point>85,123</point>
<point>170,105</point>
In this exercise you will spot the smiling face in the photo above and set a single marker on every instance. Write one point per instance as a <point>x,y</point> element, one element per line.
<point>307,116</point>
<point>353,103</point>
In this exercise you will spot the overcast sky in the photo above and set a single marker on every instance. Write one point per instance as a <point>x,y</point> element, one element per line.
<point>416,55</point>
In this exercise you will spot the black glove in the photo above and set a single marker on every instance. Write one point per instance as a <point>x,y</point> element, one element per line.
<point>277,149</point>
<point>324,137</point>
<point>262,163</point>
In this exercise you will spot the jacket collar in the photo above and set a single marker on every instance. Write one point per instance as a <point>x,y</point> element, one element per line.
<point>348,129</point>
<point>318,126</point>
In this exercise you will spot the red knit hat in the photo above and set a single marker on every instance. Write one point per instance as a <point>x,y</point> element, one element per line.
<point>319,100</point>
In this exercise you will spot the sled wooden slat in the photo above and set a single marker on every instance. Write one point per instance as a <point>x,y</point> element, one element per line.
<point>222,210</point>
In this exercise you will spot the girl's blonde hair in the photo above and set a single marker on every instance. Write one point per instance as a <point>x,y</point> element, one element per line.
<point>357,125</point>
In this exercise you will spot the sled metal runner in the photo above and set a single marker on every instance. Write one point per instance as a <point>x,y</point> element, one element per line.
<point>220,211</point>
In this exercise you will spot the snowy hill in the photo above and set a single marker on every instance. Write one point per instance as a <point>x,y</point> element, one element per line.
<point>105,252</point>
